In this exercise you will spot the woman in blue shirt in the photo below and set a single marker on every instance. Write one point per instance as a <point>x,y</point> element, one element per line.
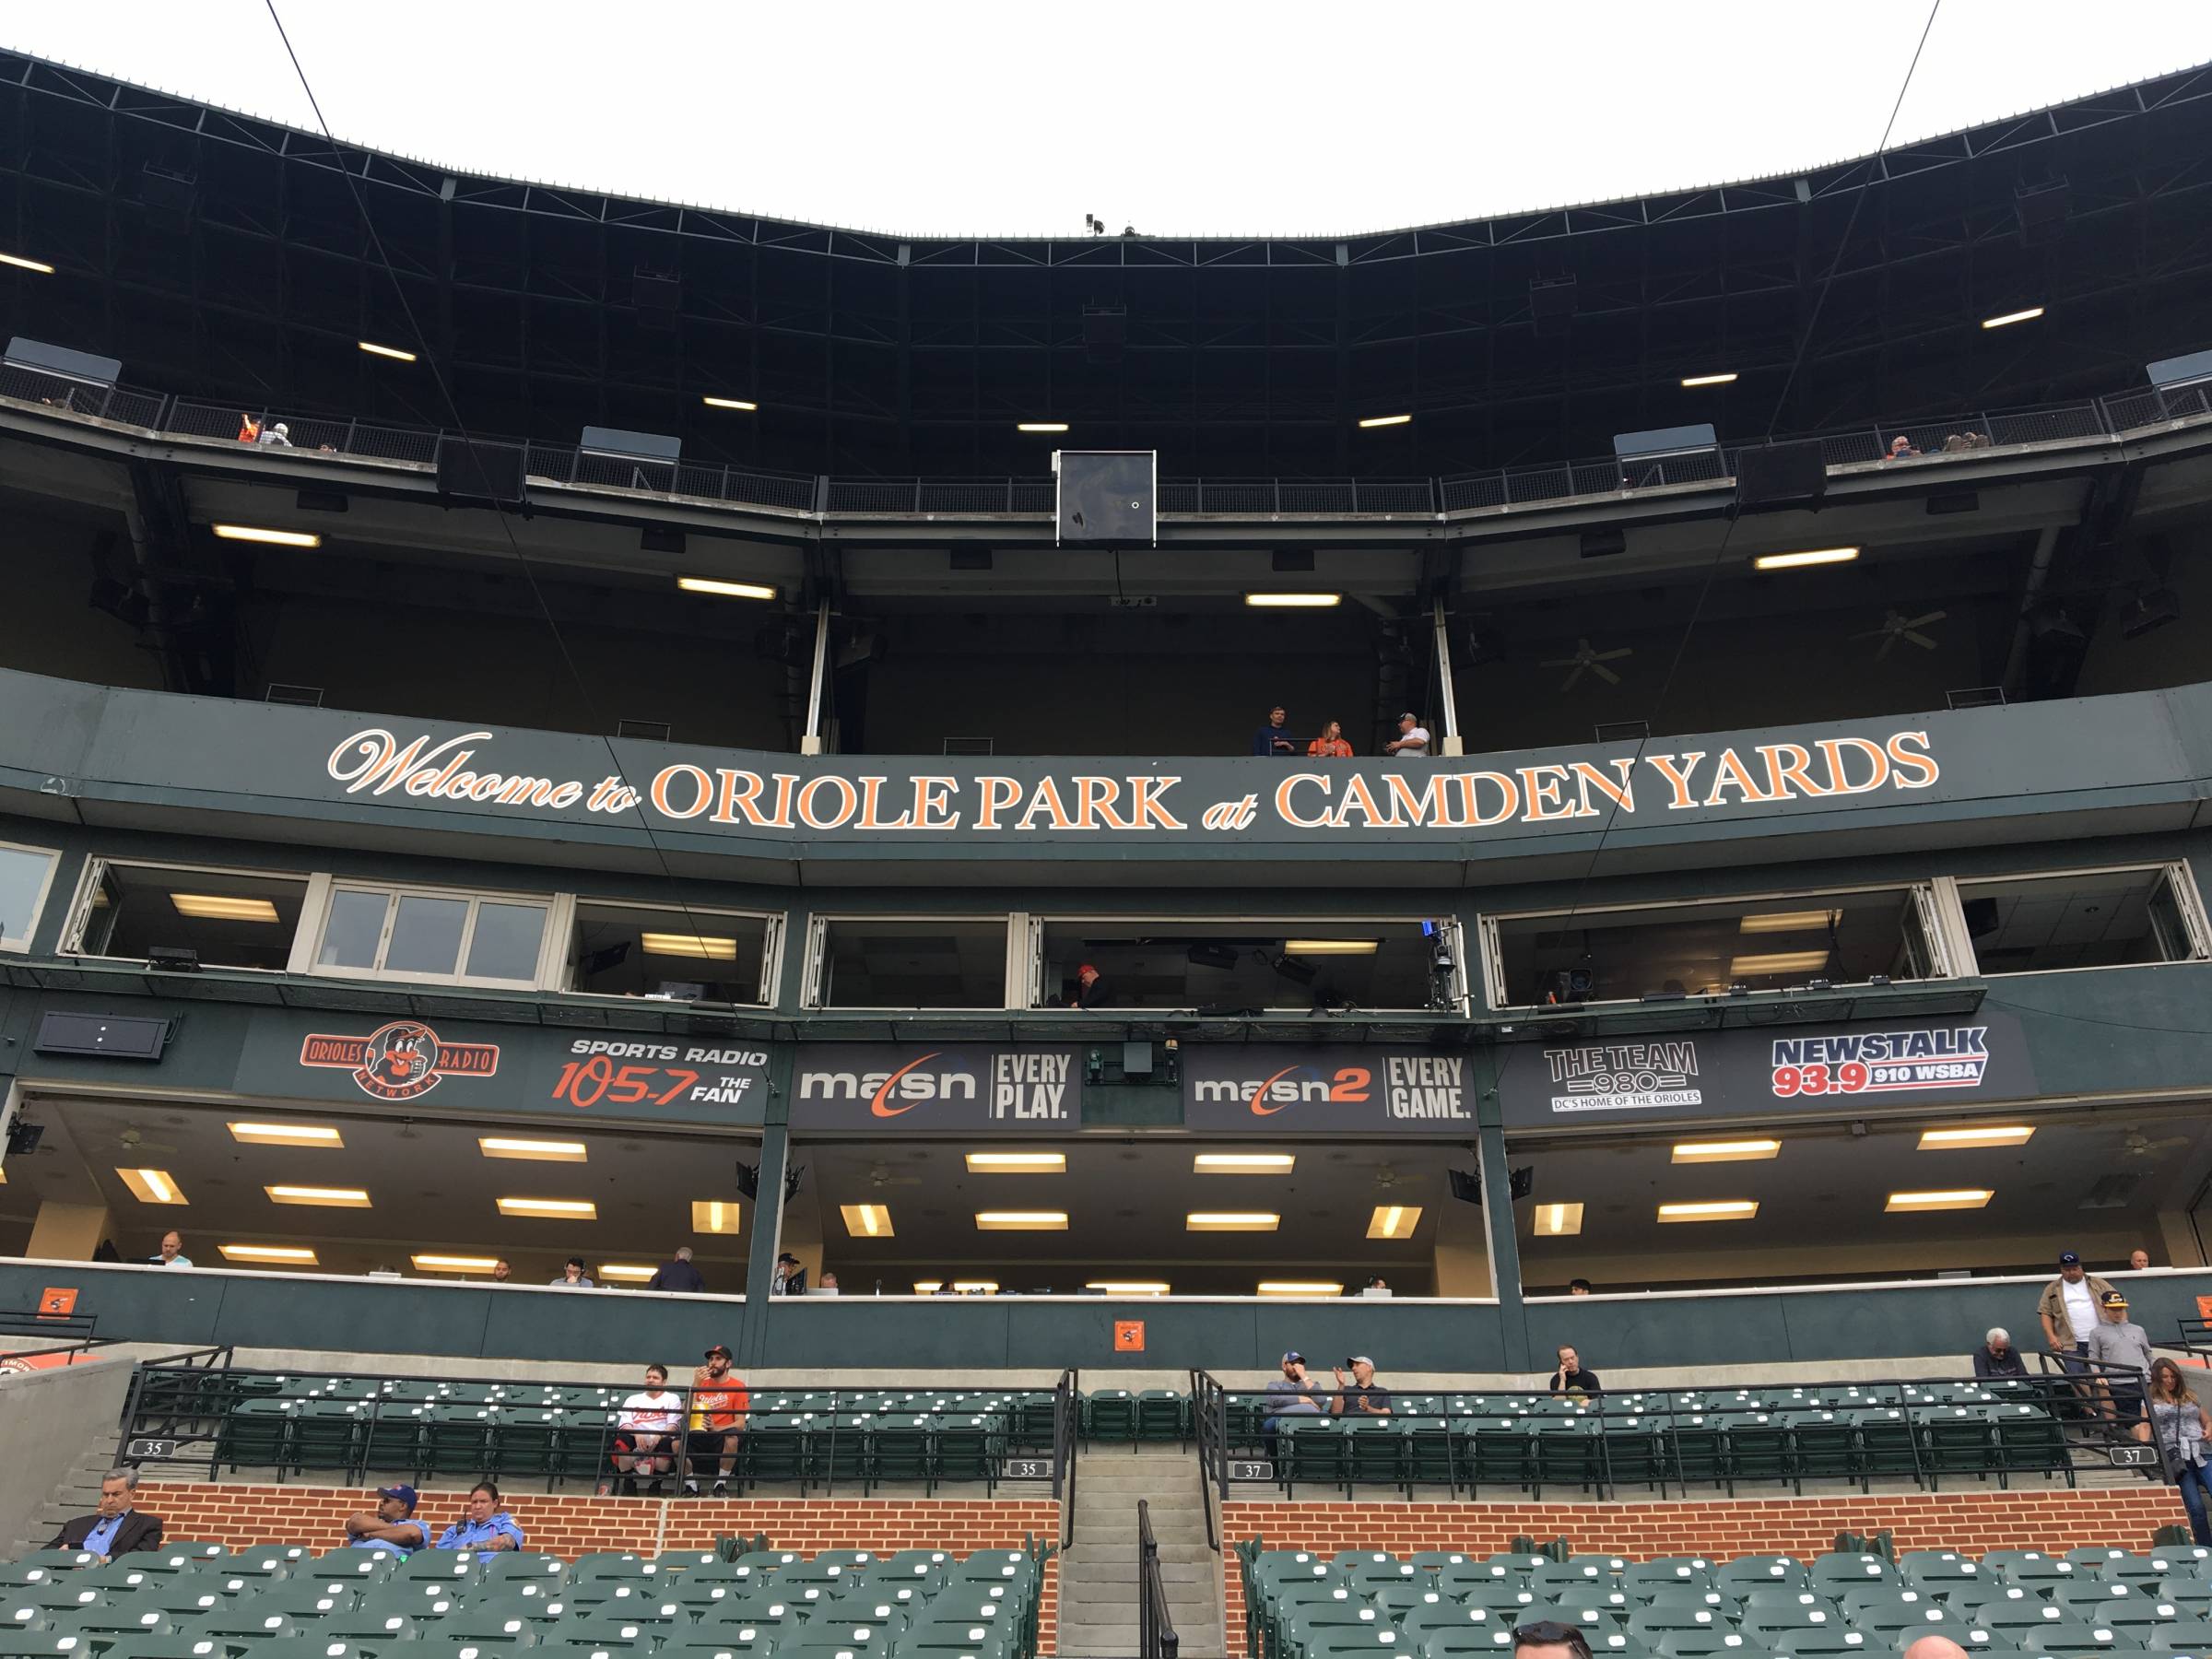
<point>485,1526</point>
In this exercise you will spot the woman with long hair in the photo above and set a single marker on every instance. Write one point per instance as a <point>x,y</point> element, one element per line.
<point>2177,1422</point>
<point>1330,744</point>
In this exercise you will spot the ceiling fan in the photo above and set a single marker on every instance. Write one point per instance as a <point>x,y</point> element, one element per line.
<point>1593,661</point>
<point>881,1176</point>
<point>132,1139</point>
<point>2136,1144</point>
<point>1897,626</point>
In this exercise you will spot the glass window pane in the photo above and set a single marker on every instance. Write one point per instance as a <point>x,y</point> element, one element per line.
<point>647,950</point>
<point>506,940</point>
<point>232,921</point>
<point>426,937</point>
<point>22,875</point>
<point>2083,918</point>
<point>349,936</point>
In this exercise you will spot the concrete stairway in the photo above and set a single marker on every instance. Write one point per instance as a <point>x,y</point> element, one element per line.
<point>77,1493</point>
<point>1099,1573</point>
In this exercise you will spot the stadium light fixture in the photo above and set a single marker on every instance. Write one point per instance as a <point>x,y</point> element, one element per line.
<point>1790,920</point>
<point>1777,961</point>
<point>320,1197</point>
<point>288,1134</point>
<point>1710,380</point>
<point>630,1272</point>
<point>152,1186</point>
<point>716,1215</point>
<point>866,1220</point>
<point>21,264</point>
<point>1299,1287</point>
<point>1040,426</point>
<point>274,538</point>
<point>551,1209</point>
<point>707,947</point>
<point>220,907</point>
<point>1717,1209</point>
<point>1998,1135</point>
<point>1293,601</point>
<point>454,1263</point>
<point>290,1256</point>
<point>1557,1220</point>
<point>1021,1220</point>
<point>1231,1221</point>
<point>1393,1220</point>
<point>726,589</point>
<point>2030,315</point>
<point>1373,421</point>
<point>1816,556</point>
<point>1017,1163</point>
<point>539,1151</point>
<point>394,352</point>
<point>1961,1198</point>
<point>1127,1287</point>
<point>729,403</point>
<point>1724,1151</point>
<point>1331,947</point>
<point>1243,1163</point>
<point>959,1287</point>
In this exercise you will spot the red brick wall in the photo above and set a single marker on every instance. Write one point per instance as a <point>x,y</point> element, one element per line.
<point>571,1525</point>
<point>1974,1520</point>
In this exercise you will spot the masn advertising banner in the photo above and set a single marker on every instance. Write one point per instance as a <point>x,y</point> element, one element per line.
<point>941,1088</point>
<point>1265,1089</point>
<point>1778,1071</point>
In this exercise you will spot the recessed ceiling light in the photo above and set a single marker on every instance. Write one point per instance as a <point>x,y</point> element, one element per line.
<point>1719,1209</point>
<point>220,907</point>
<point>276,538</point>
<point>2030,315</point>
<point>320,1196</point>
<point>727,590</point>
<point>1331,947</point>
<point>454,1263</point>
<point>542,1151</point>
<point>1128,1286</point>
<point>866,1220</point>
<point>568,1209</point>
<point>928,1286</point>
<point>1708,380</point>
<point>394,352</point>
<point>1243,1163</point>
<point>2001,1135</point>
<point>1002,1163</point>
<point>1299,1287</point>
<point>969,1287</point>
<point>1814,556</point>
<point>628,1272</point>
<point>1790,920</point>
<point>152,1186</point>
<point>1040,426</point>
<point>1373,421</point>
<point>729,403</point>
<point>1293,601</point>
<point>297,1255</point>
<point>1724,1151</point>
<point>1962,1199</point>
<point>716,1215</point>
<point>287,1135</point>
<point>1021,1220</point>
<point>705,946</point>
<point>1393,1220</point>
<point>1231,1221</point>
<point>22,264</point>
<point>1557,1220</point>
<point>1777,961</point>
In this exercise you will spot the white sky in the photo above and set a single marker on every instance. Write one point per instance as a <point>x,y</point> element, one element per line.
<point>1201,117</point>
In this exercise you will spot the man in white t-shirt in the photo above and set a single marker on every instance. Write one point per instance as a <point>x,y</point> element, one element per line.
<point>649,1421</point>
<point>1412,739</point>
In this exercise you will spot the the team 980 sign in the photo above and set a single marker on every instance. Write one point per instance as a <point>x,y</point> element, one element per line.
<point>658,1074</point>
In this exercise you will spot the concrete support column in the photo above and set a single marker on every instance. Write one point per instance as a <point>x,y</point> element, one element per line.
<point>71,1232</point>
<point>1498,1215</point>
<point>752,1344</point>
<point>1452,742</point>
<point>811,743</point>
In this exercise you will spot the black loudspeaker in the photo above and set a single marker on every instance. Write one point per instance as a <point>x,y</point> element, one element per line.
<point>473,471</point>
<point>1781,474</point>
<point>1109,498</point>
<point>1982,919</point>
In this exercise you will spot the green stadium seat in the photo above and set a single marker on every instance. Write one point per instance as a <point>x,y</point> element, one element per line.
<point>2026,1618</point>
<point>732,1643</point>
<point>1109,1413</point>
<point>2070,1640</point>
<point>2192,1594</point>
<point>1826,1644</point>
<point>2190,1637</point>
<point>238,1631</point>
<point>1654,1625</point>
<point>55,1560</point>
<point>1704,1645</point>
<point>2095,1599</point>
<point>1454,1644</point>
<point>153,1647</point>
<point>1749,1572</point>
<point>1692,1572</point>
<point>303,1602</point>
<point>2093,1558</point>
<point>1768,1623</point>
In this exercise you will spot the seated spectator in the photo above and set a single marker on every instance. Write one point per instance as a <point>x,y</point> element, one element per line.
<point>501,1272</point>
<point>1377,1284</point>
<point>171,1253</point>
<point>1577,1287</point>
<point>1330,744</point>
<point>277,437</point>
<point>790,1278</point>
<point>1291,1394</point>
<point>827,1286</point>
<point>484,1526</point>
<point>574,1276</point>
<point>719,1401</point>
<point>2122,1347</point>
<point>1954,443</point>
<point>118,1528</point>
<point>2139,1260</point>
<point>648,1423</point>
<point>1274,737</point>
<point>1363,1396</point>
<point>677,1275</point>
<point>1901,447</point>
<point>390,1525</point>
<point>1412,739</point>
<point>1996,1357</point>
<point>1570,1378</point>
<point>1091,989</point>
<point>1553,1638</point>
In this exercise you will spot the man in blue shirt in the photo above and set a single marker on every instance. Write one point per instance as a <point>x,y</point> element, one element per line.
<point>390,1525</point>
<point>1274,738</point>
<point>118,1528</point>
<point>485,1526</point>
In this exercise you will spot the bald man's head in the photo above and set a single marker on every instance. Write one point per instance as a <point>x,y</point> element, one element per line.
<point>1935,1647</point>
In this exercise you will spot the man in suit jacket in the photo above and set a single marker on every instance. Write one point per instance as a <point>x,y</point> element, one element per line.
<point>119,1528</point>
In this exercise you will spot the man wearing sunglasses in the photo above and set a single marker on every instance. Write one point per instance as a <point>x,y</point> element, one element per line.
<point>1548,1638</point>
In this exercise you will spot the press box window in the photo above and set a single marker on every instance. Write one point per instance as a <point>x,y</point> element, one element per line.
<point>857,963</point>
<point>459,937</point>
<point>1707,949</point>
<point>229,918</point>
<point>1243,964</point>
<point>685,955</point>
<point>25,875</point>
<point>2083,919</point>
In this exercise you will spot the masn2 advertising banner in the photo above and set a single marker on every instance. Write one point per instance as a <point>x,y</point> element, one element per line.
<point>926,1088</point>
<point>1265,1089</point>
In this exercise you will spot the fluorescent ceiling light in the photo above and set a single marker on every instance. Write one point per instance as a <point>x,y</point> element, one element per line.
<point>572,1209</point>
<point>22,264</point>
<point>1557,1220</point>
<point>928,1286</point>
<point>729,403</point>
<point>1243,1163</point>
<point>1231,1221</point>
<point>276,538</point>
<point>2002,1134</point>
<point>1331,947</point>
<point>287,1135</point>
<point>727,590</point>
<point>1962,1199</point>
<point>218,906</point>
<point>1393,1220</point>
<point>988,1287</point>
<point>1724,1151</point>
<point>1293,601</point>
<point>1816,556</point>
<point>394,352</point>
<point>1708,379</point>
<point>2030,315</point>
<point>1000,1163</point>
<point>1299,1287</point>
<point>319,1197</point>
<point>1373,421</point>
<point>454,1263</point>
<point>152,1186</point>
<point>706,946</point>
<point>1790,920</point>
<point>1040,426</point>
<point>866,1220</point>
<point>541,1151</point>
<point>1777,961</point>
<point>1128,1286</point>
<point>1021,1220</point>
<point>628,1272</point>
<point>714,1215</point>
<point>297,1255</point>
<point>1719,1209</point>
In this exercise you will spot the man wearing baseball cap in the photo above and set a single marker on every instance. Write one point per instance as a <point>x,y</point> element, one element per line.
<point>2069,1307</point>
<point>1091,989</point>
<point>1412,739</point>
<point>1364,1397</point>
<point>719,1401</point>
<point>2120,1349</point>
<point>1291,1394</point>
<point>390,1525</point>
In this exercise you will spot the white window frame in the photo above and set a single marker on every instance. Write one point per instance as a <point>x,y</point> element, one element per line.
<point>2178,876</point>
<point>818,953</point>
<point>552,944</point>
<point>20,943</point>
<point>97,865</point>
<point>772,944</point>
<point>1924,893</point>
